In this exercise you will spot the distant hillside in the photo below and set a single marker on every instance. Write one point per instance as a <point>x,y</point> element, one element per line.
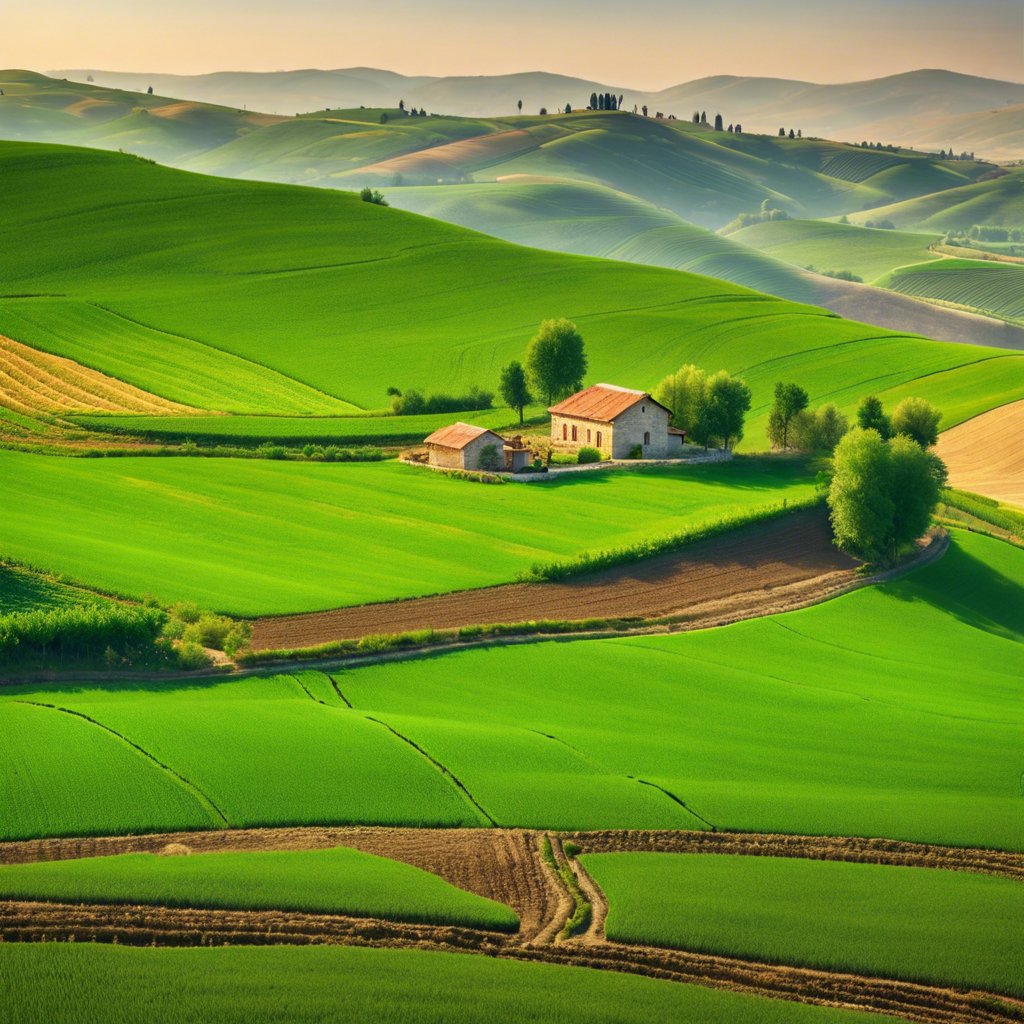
<point>997,200</point>
<point>899,109</point>
<point>233,294</point>
<point>705,176</point>
<point>40,109</point>
<point>595,221</point>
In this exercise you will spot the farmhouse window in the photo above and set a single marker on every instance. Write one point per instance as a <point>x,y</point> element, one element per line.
<point>647,437</point>
<point>643,408</point>
<point>574,433</point>
<point>588,435</point>
<point>599,439</point>
<point>565,431</point>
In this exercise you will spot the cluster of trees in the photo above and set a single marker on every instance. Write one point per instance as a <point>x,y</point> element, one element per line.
<point>373,195</point>
<point>943,155</point>
<point>415,403</point>
<point>711,409</point>
<point>768,211</point>
<point>995,233</point>
<point>792,425</point>
<point>604,101</point>
<point>701,117</point>
<point>556,363</point>
<point>882,494</point>
<point>884,224</point>
<point>913,417</point>
<point>798,134</point>
<point>422,112</point>
<point>878,145</point>
<point>838,275</point>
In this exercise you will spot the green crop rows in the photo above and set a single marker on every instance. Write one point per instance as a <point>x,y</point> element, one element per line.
<point>46,982</point>
<point>333,881</point>
<point>921,924</point>
<point>598,734</point>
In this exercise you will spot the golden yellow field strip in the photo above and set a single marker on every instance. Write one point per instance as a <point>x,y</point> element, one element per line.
<point>34,382</point>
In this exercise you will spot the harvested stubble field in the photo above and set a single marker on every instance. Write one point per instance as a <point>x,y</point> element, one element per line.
<point>986,454</point>
<point>749,567</point>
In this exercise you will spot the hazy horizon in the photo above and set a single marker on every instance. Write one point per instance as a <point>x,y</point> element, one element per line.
<point>657,44</point>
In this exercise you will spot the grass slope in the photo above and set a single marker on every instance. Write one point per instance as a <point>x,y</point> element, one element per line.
<point>685,712</point>
<point>54,982</point>
<point>615,733</point>
<point>258,537</point>
<point>297,430</point>
<point>998,201</point>
<point>918,924</point>
<point>23,591</point>
<point>347,769</point>
<point>867,252</point>
<point>996,289</point>
<point>344,298</point>
<point>334,881</point>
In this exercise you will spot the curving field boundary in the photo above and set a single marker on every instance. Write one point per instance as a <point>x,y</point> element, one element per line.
<point>760,560</point>
<point>508,865</point>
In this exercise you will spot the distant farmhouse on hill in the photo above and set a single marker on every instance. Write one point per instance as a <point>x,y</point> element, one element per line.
<point>616,421</point>
<point>463,446</point>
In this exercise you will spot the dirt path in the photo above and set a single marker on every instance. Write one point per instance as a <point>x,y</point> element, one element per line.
<point>986,454</point>
<point>507,865</point>
<point>756,561</point>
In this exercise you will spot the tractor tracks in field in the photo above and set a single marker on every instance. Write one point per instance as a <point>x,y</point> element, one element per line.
<point>510,866</point>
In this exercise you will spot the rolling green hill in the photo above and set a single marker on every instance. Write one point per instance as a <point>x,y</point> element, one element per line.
<point>998,200</point>
<point>313,297</point>
<point>36,108</point>
<point>898,108</point>
<point>867,252</point>
<point>704,176</point>
<point>996,289</point>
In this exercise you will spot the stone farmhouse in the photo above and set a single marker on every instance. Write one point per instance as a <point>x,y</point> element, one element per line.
<point>616,421</point>
<point>461,445</point>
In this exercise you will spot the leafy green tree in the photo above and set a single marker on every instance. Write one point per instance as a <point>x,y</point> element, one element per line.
<point>489,458</point>
<point>882,495</point>
<point>373,195</point>
<point>684,392</point>
<point>818,431</point>
<point>790,399</point>
<point>871,416</point>
<point>593,101</point>
<point>556,360</point>
<point>718,122</point>
<point>727,403</point>
<point>918,419</point>
<point>861,508</point>
<point>514,388</point>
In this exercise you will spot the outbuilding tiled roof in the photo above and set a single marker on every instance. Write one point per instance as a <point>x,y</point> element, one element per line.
<point>458,435</point>
<point>601,402</point>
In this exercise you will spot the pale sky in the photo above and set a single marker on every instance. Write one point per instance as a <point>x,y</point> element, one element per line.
<point>643,44</point>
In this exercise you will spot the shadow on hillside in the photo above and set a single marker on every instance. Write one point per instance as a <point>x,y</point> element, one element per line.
<point>971,590</point>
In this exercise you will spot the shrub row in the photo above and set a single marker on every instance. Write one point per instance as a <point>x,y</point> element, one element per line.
<point>585,563</point>
<point>112,633</point>
<point>985,509</point>
<point>384,642</point>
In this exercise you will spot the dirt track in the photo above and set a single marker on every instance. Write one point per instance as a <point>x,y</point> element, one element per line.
<point>753,563</point>
<point>986,454</point>
<point>506,865</point>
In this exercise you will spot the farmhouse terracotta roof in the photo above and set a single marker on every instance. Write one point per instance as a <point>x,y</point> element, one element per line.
<point>676,430</point>
<point>601,402</point>
<point>458,435</point>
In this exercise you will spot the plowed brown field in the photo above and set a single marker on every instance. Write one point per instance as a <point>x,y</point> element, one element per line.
<point>986,454</point>
<point>754,564</point>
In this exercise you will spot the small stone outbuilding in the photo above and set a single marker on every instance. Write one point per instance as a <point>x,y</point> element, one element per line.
<point>461,446</point>
<point>616,421</point>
